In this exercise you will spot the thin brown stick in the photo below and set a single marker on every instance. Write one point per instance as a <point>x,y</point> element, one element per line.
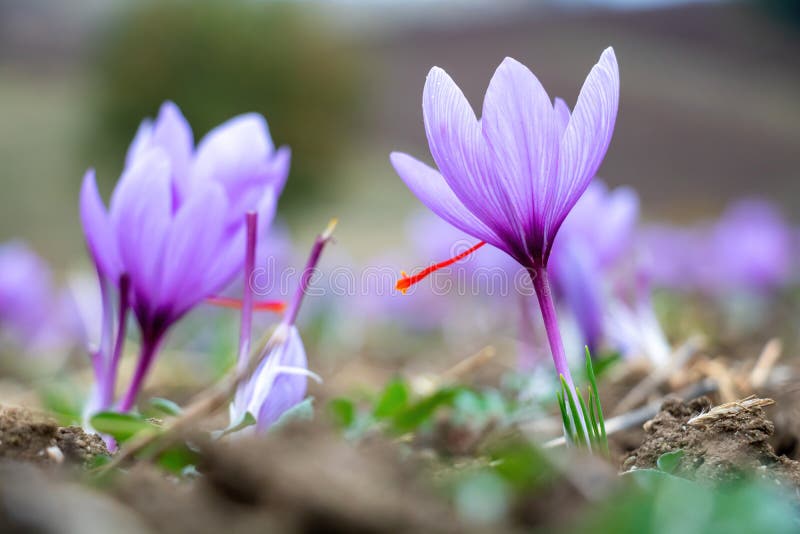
<point>766,362</point>
<point>469,364</point>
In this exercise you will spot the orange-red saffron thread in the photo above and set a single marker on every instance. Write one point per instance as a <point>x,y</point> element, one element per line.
<point>277,306</point>
<point>407,281</point>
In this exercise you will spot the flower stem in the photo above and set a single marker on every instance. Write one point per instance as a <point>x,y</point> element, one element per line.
<point>251,221</point>
<point>146,356</point>
<point>541,284</point>
<point>110,379</point>
<point>544,294</point>
<point>308,272</point>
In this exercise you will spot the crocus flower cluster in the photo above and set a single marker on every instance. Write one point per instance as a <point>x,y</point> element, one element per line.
<point>174,231</point>
<point>512,177</point>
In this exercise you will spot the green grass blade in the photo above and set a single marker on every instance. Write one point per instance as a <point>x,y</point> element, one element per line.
<point>576,419</point>
<point>565,417</point>
<point>592,417</point>
<point>600,421</point>
<point>590,430</point>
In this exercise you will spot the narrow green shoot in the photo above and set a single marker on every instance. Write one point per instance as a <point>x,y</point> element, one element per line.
<point>584,428</point>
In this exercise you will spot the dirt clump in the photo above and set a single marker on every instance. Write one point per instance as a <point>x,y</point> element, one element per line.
<point>29,437</point>
<point>301,479</point>
<point>720,444</point>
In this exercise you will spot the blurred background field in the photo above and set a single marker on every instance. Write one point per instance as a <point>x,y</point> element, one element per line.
<point>709,96</point>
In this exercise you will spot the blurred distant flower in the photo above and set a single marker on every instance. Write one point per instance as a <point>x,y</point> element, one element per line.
<point>752,244</point>
<point>593,238</point>
<point>511,178</point>
<point>33,313</point>
<point>747,250</point>
<point>175,229</point>
<point>279,381</point>
<point>632,326</point>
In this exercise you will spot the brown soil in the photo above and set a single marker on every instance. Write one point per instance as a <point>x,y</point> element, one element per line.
<point>308,479</point>
<point>722,446</point>
<point>29,437</point>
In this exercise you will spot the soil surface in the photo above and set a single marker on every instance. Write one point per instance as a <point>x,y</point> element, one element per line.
<point>307,479</point>
<point>720,444</point>
<point>29,437</point>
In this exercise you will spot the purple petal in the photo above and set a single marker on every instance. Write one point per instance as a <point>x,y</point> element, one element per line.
<point>587,136</point>
<point>562,116</point>
<point>192,246</point>
<point>100,238</point>
<point>459,150</point>
<point>520,128</point>
<point>618,210</point>
<point>432,190</point>
<point>237,153</point>
<point>172,133</point>
<point>580,282</point>
<point>141,212</point>
<point>273,393</point>
<point>141,142</point>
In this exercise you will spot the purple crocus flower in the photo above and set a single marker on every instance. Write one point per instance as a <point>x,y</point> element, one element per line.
<point>510,178</point>
<point>279,381</point>
<point>586,252</point>
<point>175,228</point>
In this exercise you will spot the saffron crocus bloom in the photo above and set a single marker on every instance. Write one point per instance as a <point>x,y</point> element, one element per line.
<point>279,381</point>
<point>175,228</point>
<point>510,178</point>
<point>593,238</point>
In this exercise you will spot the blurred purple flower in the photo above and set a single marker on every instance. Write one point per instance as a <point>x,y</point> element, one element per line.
<point>748,249</point>
<point>34,315</point>
<point>511,178</point>
<point>752,244</point>
<point>593,238</point>
<point>175,229</point>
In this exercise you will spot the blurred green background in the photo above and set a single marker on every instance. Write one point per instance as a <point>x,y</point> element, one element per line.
<point>709,96</point>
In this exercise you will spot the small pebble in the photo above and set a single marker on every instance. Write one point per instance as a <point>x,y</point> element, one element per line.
<point>55,454</point>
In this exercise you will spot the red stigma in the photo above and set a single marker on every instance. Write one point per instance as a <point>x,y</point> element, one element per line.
<point>277,306</point>
<point>406,281</point>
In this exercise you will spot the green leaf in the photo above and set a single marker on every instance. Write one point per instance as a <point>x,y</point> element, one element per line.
<point>669,461</point>
<point>177,459</point>
<point>247,419</point>
<point>343,412</point>
<point>166,406</point>
<point>302,411</point>
<point>121,426</point>
<point>64,401</point>
<point>422,411</point>
<point>394,399</point>
<point>602,365</point>
<point>522,465</point>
